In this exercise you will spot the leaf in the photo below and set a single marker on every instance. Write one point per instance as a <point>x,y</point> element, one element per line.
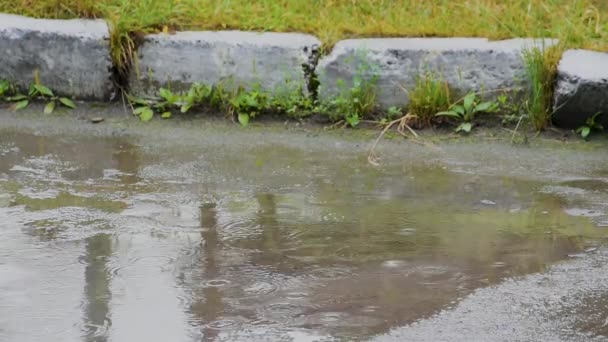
<point>468,101</point>
<point>450,114</point>
<point>146,115</point>
<point>353,120</point>
<point>18,97</point>
<point>21,104</point>
<point>67,102</point>
<point>484,107</point>
<point>4,86</point>
<point>185,108</point>
<point>599,127</point>
<point>459,109</point>
<point>192,91</point>
<point>33,91</point>
<point>585,131</point>
<point>139,110</point>
<point>50,107</point>
<point>243,119</point>
<point>165,93</point>
<point>137,100</point>
<point>594,117</point>
<point>165,115</point>
<point>44,90</point>
<point>464,127</point>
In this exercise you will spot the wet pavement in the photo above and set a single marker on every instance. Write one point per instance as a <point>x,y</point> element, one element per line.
<point>201,231</point>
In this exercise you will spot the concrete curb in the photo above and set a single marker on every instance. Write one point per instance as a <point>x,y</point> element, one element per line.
<point>275,61</point>
<point>464,63</point>
<point>71,56</point>
<point>582,88</point>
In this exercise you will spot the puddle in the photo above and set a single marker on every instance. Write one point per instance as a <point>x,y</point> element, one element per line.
<point>105,239</point>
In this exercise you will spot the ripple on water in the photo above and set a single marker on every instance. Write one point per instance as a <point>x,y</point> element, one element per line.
<point>227,323</point>
<point>331,273</point>
<point>237,228</point>
<point>217,283</point>
<point>152,261</point>
<point>222,324</point>
<point>296,295</point>
<point>98,330</point>
<point>281,308</point>
<point>260,289</point>
<point>583,212</point>
<point>432,270</point>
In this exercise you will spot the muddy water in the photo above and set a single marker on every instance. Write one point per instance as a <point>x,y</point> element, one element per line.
<point>113,239</point>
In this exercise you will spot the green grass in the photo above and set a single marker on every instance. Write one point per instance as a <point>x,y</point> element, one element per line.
<point>541,68</point>
<point>579,23</point>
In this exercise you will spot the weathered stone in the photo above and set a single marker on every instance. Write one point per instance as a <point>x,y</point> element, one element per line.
<point>71,56</point>
<point>274,61</point>
<point>464,63</point>
<point>582,88</point>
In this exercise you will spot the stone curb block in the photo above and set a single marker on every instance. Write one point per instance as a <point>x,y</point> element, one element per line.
<point>275,61</point>
<point>582,88</point>
<point>72,56</point>
<point>465,64</point>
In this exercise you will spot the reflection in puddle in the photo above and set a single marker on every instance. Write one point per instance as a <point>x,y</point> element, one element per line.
<point>283,244</point>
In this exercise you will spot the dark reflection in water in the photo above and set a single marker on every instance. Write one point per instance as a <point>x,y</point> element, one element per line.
<point>127,157</point>
<point>97,291</point>
<point>275,244</point>
<point>209,306</point>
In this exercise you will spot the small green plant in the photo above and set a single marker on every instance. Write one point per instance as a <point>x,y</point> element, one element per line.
<point>145,108</point>
<point>590,125</point>
<point>356,101</point>
<point>431,95</point>
<point>247,104</point>
<point>292,101</point>
<point>36,91</point>
<point>466,112</point>
<point>393,112</point>
<point>197,94</point>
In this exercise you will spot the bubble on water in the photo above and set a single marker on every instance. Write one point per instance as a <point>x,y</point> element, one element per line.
<point>371,309</point>
<point>407,231</point>
<point>393,263</point>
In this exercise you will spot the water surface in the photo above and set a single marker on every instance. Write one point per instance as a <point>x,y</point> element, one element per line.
<point>122,238</point>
